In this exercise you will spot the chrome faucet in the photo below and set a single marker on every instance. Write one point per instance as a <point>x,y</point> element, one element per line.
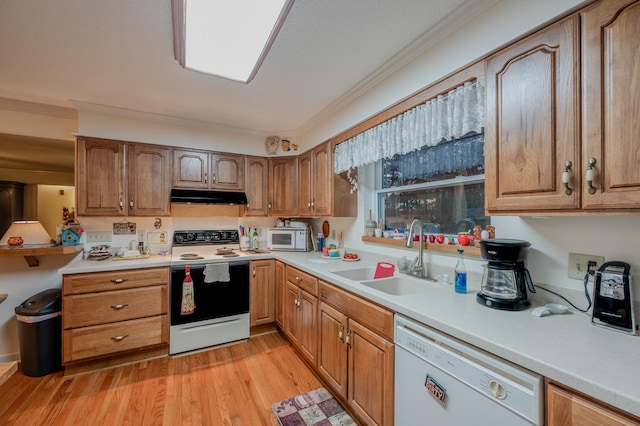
<point>418,269</point>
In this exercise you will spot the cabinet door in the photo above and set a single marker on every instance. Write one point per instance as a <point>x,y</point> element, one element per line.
<point>283,186</point>
<point>149,179</point>
<point>305,180</point>
<point>227,171</point>
<point>322,180</point>
<point>263,292</point>
<point>280,289</point>
<point>291,317</point>
<point>565,408</point>
<point>308,337</point>
<point>370,392</point>
<point>332,351</point>
<point>100,178</point>
<point>190,169</point>
<point>257,186</point>
<point>532,122</point>
<point>610,105</point>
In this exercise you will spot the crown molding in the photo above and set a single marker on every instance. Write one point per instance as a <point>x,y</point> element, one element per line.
<point>38,108</point>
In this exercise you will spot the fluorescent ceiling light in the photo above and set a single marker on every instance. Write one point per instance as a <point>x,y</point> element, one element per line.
<point>228,38</point>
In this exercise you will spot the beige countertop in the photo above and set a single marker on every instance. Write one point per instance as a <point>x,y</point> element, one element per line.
<point>565,348</point>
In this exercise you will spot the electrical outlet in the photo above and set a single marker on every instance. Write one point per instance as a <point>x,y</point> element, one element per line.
<point>578,264</point>
<point>98,236</point>
<point>142,235</point>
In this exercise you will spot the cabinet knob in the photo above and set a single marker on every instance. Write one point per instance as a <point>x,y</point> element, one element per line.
<point>589,176</point>
<point>120,203</point>
<point>205,177</point>
<point>298,279</point>
<point>269,205</point>
<point>254,271</point>
<point>566,177</point>
<point>119,280</point>
<point>341,332</point>
<point>131,202</point>
<point>213,178</point>
<point>348,338</point>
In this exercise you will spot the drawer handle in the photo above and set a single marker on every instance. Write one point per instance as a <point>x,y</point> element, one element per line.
<point>119,280</point>
<point>119,338</point>
<point>298,279</point>
<point>116,307</point>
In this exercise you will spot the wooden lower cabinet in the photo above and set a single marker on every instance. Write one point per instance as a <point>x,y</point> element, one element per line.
<point>107,314</point>
<point>355,360</point>
<point>300,312</point>
<point>565,407</point>
<point>262,308</point>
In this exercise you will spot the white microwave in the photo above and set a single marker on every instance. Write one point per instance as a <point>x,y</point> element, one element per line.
<point>288,239</point>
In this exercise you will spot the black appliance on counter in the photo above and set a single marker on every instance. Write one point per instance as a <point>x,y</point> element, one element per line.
<point>506,279</point>
<point>613,298</point>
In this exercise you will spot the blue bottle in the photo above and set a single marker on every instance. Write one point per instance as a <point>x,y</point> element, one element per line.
<point>461,274</point>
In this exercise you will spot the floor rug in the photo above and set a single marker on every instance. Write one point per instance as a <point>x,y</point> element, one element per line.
<point>315,408</point>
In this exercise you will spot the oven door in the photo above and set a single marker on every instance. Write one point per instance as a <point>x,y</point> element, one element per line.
<point>213,300</point>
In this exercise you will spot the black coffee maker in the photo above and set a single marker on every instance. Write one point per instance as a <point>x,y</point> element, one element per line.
<point>506,279</point>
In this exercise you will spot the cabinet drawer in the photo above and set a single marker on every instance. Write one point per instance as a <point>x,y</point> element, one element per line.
<point>373,316</point>
<point>90,342</point>
<point>303,280</point>
<point>114,280</point>
<point>82,310</point>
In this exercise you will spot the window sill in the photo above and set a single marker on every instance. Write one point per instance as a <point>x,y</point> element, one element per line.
<point>444,248</point>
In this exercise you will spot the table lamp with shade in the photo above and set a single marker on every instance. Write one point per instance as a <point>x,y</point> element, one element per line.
<point>26,233</point>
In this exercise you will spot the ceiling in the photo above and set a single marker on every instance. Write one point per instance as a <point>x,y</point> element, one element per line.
<point>119,54</point>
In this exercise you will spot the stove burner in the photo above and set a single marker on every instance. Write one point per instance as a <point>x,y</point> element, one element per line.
<point>190,256</point>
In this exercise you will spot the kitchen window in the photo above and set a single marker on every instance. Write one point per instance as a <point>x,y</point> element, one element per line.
<point>442,185</point>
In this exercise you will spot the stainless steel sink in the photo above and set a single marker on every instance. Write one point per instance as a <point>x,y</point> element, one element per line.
<point>398,285</point>
<point>358,274</point>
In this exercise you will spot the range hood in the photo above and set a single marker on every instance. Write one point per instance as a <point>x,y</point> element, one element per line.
<point>203,196</point>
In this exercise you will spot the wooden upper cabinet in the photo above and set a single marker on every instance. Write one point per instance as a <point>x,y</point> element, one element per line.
<point>257,186</point>
<point>190,169</point>
<point>322,179</point>
<point>532,122</point>
<point>320,191</point>
<point>227,171</point>
<point>100,177</point>
<point>283,186</point>
<point>611,104</point>
<point>208,170</point>
<point>149,180</point>
<point>109,185</point>
<point>305,180</point>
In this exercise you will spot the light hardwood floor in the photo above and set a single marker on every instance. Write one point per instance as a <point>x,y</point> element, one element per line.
<point>232,385</point>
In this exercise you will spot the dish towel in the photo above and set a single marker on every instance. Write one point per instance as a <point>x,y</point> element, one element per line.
<point>216,272</point>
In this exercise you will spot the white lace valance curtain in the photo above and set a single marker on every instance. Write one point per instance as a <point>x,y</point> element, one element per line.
<point>458,113</point>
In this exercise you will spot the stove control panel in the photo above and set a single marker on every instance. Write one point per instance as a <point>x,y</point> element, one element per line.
<point>182,238</point>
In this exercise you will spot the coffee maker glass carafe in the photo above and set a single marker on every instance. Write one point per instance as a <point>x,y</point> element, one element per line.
<point>506,279</point>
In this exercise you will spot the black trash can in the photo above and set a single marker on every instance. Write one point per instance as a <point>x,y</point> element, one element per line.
<point>40,333</point>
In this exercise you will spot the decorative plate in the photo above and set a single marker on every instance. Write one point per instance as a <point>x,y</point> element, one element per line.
<point>271,144</point>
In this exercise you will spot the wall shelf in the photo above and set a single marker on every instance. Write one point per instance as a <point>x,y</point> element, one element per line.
<point>30,253</point>
<point>445,248</point>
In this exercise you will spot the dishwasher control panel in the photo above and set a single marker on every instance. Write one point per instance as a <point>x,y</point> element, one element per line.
<point>506,384</point>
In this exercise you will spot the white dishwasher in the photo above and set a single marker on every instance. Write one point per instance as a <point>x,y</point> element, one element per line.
<point>443,381</point>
